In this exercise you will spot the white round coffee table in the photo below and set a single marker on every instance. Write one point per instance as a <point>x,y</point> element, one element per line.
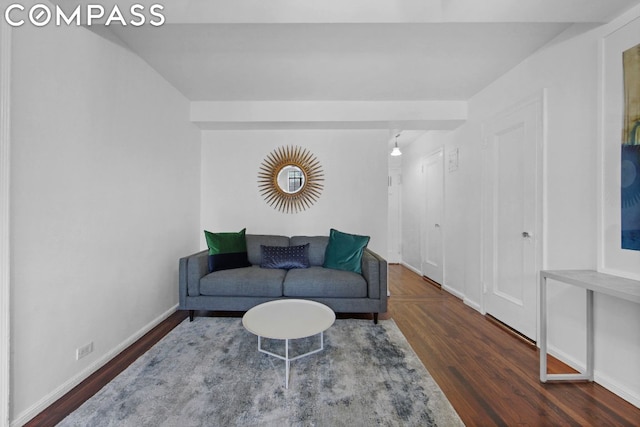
<point>288,319</point>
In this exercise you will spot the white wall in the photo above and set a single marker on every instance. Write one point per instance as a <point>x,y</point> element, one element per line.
<point>104,200</point>
<point>569,70</point>
<point>354,199</point>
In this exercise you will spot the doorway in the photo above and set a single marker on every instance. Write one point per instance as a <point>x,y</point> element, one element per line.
<point>394,229</point>
<point>511,215</point>
<point>432,217</point>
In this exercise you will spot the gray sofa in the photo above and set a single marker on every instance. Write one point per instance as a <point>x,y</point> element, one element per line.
<point>243,288</point>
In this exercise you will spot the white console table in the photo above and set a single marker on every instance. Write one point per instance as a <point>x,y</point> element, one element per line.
<point>592,281</point>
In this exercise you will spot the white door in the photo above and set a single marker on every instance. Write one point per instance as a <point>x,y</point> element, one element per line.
<point>511,216</point>
<point>432,218</point>
<point>394,226</point>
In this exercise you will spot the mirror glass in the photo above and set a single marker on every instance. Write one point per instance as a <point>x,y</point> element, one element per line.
<point>291,179</point>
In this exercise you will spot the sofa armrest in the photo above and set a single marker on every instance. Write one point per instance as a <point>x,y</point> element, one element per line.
<point>182,283</point>
<point>374,270</point>
<point>191,269</point>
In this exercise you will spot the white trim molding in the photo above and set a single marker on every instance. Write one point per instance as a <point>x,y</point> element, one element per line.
<point>5,160</point>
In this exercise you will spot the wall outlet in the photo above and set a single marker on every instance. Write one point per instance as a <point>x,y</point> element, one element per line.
<point>84,350</point>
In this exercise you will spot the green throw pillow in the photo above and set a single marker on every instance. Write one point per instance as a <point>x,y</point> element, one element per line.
<point>344,251</point>
<point>227,250</point>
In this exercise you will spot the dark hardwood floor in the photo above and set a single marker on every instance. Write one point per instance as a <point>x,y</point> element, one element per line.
<point>489,374</point>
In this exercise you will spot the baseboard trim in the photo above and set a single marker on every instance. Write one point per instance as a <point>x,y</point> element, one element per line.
<point>614,387</point>
<point>604,380</point>
<point>454,292</point>
<point>565,358</point>
<point>66,387</point>
<point>473,305</point>
<point>409,267</point>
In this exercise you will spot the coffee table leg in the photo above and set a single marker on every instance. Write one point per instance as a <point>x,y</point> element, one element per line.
<point>286,349</point>
<point>286,357</point>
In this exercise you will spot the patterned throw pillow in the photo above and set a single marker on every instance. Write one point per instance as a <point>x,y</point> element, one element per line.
<point>285,257</point>
<point>344,251</point>
<point>227,250</point>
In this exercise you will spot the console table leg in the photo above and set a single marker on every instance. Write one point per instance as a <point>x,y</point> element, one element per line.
<point>543,328</point>
<point>588,373</point>
<point>590,335</point>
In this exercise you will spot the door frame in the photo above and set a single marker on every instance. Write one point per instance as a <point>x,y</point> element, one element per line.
<point>5,245</point>
<point>423,161</point>
<point>540,229</point>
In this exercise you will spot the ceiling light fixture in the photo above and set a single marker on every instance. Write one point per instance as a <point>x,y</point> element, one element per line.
<point>396,151</point>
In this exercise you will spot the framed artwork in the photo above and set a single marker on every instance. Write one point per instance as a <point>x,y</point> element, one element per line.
<point>619,165</point>
<point>630,155</point>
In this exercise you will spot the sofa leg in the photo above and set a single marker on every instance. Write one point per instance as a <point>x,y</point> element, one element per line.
<point>375,318</point>
<point>191,312</point>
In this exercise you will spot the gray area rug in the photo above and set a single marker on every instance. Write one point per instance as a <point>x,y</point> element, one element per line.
<point>209,373</point>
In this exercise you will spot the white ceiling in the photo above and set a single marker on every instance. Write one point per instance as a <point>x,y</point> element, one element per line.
<point>227,62</point>
<point>357,50</point>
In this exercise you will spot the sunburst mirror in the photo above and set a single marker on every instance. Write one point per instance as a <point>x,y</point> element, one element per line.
<point>290,179</point>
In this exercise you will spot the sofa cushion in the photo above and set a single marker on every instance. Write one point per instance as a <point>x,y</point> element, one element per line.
<point>344,251</point>
<point>254,241</point>
<point>249,281</point>
<point>286,257</point>
<point>324,282</point>
<point>317,247</point>
<point>227,250</point>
